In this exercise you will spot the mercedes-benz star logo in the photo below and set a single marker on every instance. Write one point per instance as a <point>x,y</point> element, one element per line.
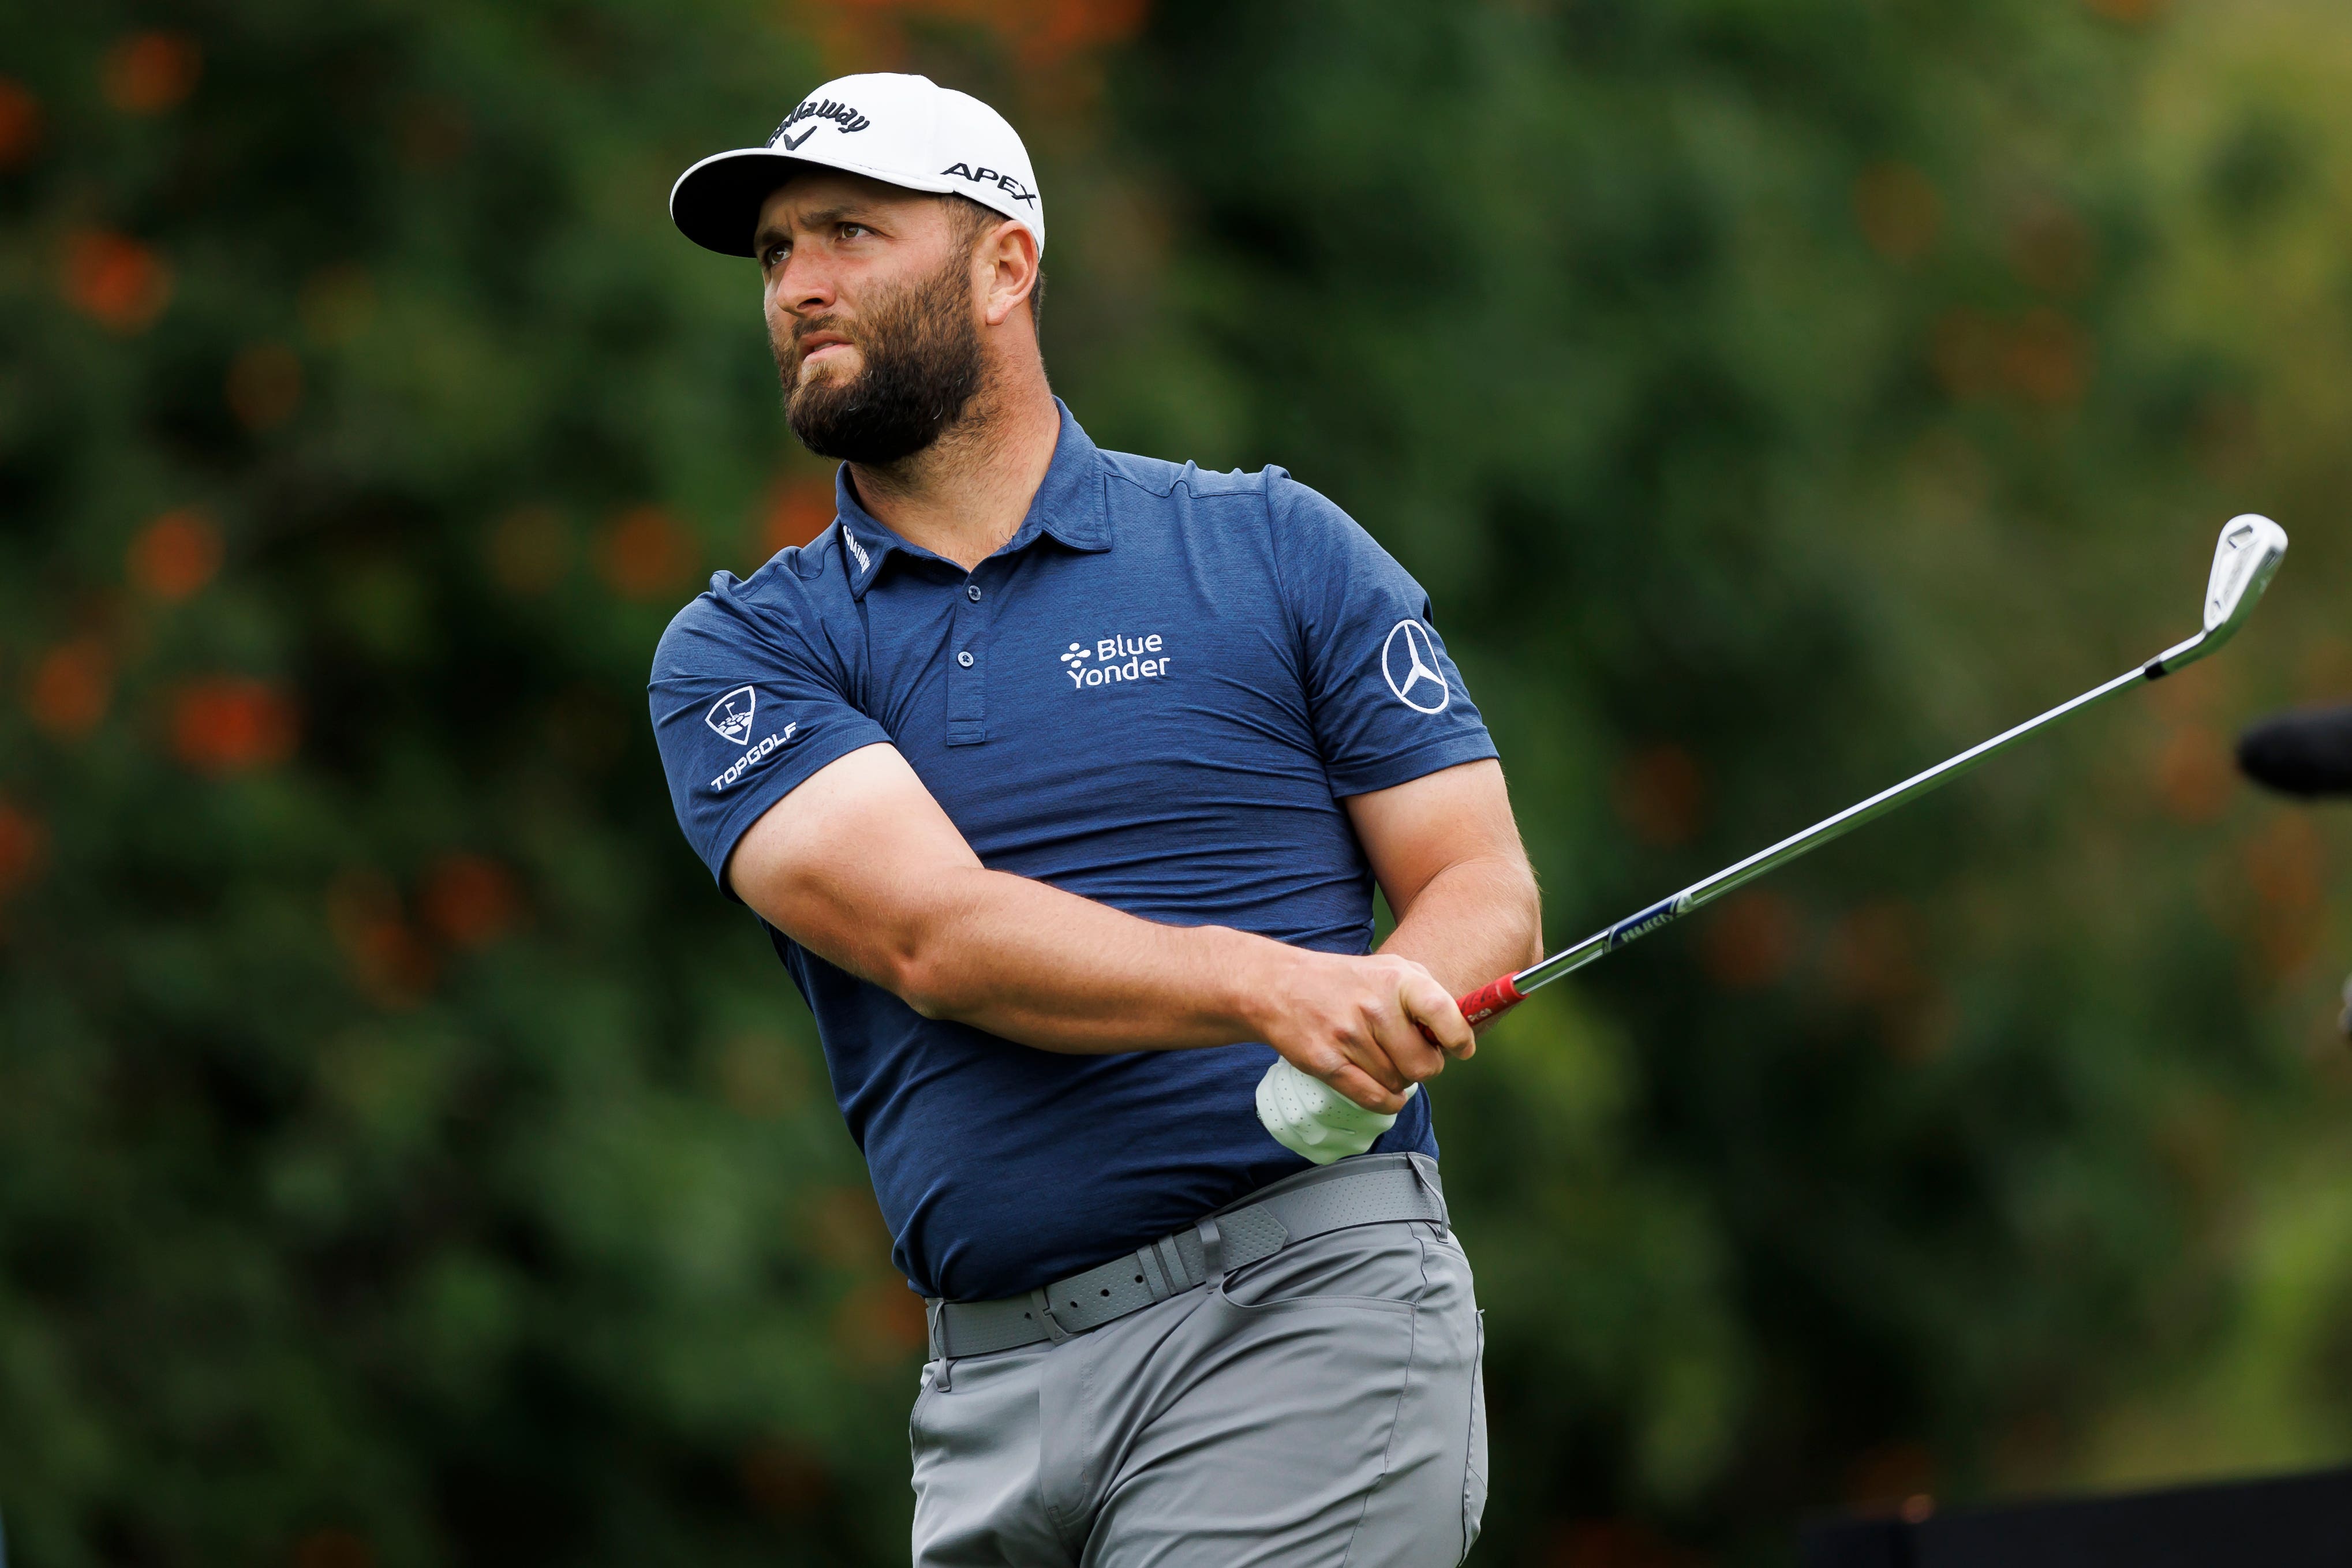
<point>1409,659</point>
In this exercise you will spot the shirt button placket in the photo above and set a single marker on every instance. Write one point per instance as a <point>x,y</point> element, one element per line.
<point>967,691</point>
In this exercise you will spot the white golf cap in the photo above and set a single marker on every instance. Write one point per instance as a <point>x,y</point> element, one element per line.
<point>904,131</point>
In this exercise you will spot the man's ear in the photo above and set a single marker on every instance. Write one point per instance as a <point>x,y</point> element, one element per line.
<point>1006,262</point>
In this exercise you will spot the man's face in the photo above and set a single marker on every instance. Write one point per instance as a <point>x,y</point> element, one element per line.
<point>869,300</point>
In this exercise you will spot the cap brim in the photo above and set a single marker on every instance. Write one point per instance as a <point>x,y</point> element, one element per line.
<point>717,203</point>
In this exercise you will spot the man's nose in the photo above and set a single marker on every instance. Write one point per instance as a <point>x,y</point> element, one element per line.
<point>802,286</point>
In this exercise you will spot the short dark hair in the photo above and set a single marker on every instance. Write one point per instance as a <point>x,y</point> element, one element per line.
<point>973,219</point>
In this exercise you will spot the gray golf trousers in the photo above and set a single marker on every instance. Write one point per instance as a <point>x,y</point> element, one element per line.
<point>1321,1407</point>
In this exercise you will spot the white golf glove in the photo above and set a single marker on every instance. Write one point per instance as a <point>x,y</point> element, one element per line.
<point>1310,1118</point>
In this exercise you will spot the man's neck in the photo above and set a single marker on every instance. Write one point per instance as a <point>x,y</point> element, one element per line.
<point>965,494</point>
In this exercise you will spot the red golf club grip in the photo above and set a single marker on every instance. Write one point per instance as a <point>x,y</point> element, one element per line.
<point>1491,1001</point>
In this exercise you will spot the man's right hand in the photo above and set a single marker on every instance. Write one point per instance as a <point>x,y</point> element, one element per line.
<point>1357,1023</point>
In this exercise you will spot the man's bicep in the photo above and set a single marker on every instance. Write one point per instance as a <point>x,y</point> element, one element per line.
<point>1414,831</point>
<point>853,862</point>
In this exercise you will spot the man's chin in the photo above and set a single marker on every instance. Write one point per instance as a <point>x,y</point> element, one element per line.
<point>819,388</point>
<point>821,384</point>
<point>836,368</point>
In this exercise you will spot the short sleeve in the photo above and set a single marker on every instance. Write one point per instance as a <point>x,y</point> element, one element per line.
<point>747,704</point>
<point>1387,702</point>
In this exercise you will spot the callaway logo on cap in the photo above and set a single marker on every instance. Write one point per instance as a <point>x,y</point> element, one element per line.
<point>904,131</point>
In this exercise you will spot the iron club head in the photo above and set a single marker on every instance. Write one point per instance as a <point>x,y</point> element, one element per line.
<point>2249,551</point>
<point>2245,559</point>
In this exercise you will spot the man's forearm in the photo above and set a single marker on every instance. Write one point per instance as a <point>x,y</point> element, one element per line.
<point>1023,959</point>
<point>862,868</point>
<point>1473,921</point>
<point>1027,961</point>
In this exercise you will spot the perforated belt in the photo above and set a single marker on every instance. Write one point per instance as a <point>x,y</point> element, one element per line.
<point>1369,1189</point>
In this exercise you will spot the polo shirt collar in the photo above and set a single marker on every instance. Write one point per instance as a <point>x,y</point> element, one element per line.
<point>1069,506</point>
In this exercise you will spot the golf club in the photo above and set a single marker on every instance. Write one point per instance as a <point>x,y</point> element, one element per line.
<point>1309,1118</point>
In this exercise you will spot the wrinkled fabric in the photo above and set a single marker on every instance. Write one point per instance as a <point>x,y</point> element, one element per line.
<point>1323,1406</point>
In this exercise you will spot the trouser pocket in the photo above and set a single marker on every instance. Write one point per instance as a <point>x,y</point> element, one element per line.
<point>1474,1469</point>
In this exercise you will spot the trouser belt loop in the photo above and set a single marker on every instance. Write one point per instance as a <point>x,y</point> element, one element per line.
<point>935,1317</point>
<point>1163,1270</point>
<point>1172,1263</point>
<point>1154,1277</point>
<point>1042,1305</point>
<point>1421,1173</point>
<point>1213,1250</point>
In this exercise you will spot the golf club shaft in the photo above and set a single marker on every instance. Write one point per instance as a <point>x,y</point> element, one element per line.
<point>1306,1115</point>
<point>1499,996</point>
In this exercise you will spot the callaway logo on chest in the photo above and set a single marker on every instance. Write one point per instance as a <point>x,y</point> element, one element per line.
<point>1116,658</point>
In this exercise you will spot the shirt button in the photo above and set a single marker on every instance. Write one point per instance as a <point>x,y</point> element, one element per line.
<point>972,591</point>
<point>965,660</point>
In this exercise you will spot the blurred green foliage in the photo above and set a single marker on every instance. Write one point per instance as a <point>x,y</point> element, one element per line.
<point>406,1156</point>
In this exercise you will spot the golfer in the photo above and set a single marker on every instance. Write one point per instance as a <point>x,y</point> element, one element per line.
<point>1061,780</point>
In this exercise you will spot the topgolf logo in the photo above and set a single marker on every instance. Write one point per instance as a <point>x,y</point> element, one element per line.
<point>731,716</point>
<point>743,764</point>
<point>1409,664</point>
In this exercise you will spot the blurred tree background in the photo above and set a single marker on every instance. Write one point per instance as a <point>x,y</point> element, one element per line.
<point>405,1157</point>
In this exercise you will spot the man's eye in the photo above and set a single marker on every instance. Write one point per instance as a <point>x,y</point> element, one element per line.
<point>773,256</point>
<point>850,231</point>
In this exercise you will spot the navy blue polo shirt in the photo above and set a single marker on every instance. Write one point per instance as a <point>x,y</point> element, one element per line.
<point>1154,696</point>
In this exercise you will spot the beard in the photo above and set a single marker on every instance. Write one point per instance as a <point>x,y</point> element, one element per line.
<point>922,364</point>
